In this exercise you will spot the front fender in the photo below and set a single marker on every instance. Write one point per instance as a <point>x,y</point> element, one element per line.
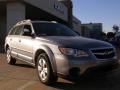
<point>50,54</point>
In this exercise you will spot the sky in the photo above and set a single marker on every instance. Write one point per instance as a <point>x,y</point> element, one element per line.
<point>98,11</point>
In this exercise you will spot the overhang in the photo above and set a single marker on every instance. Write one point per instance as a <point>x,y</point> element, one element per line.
<point>51,6</point>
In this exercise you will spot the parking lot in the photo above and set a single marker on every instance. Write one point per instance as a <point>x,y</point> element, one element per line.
<point>23,77</point>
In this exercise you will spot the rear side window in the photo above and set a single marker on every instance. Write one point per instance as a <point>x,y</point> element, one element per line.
<point>16,31</point>
<point>12,31</point>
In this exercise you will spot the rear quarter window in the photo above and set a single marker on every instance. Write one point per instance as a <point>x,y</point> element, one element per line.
<point>12,31</point>
<point>16,30</point>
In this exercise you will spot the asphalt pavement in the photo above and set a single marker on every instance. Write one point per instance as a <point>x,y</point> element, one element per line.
<point>22,76</point>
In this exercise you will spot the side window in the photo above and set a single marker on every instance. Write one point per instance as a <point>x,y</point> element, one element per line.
<point>19,30</point>
<point>27,30</point>
<point>12,31</point>
<point>16,30</point>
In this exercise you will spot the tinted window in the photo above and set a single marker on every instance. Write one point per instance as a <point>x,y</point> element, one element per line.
<point>12,31</point>
<point>27,30</point>
<point>27,27</point>
<point>52,29</point>
<point>16,31</point>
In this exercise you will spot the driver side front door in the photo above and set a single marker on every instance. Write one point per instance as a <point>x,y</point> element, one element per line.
<point>26,45</point>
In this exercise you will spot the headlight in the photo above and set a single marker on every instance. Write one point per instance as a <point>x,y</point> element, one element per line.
<point>81,53</point>
<point>73,52</point>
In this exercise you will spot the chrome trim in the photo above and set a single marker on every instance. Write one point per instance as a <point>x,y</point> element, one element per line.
<point>90,50</point>
<point>102,48</point>
<point>104,53</point>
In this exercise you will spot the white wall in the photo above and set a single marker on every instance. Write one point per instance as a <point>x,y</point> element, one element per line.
<point>15,13</point>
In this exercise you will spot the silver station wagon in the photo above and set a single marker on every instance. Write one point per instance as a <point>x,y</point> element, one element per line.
<point>55,50</point>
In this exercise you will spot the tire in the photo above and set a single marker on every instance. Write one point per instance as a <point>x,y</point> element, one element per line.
<point>44,70</point>
<point>10,60</point>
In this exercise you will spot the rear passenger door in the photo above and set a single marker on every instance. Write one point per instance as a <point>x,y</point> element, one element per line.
<point>13,40</point>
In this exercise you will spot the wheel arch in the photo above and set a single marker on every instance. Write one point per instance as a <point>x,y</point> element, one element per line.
<point>48,51</point>
<point>6,47</point>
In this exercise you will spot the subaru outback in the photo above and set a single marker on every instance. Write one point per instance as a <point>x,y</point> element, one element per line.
<point>55,50</point>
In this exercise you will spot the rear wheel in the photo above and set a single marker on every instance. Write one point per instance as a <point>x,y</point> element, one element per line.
<point>10,60</point>
<point>44,69</point>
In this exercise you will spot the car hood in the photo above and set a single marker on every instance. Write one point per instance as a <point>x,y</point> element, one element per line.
<point>77,42</point>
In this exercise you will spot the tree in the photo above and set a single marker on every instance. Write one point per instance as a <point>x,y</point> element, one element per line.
<point>110,35</point>
<point>115,28</point>
<point>103,36</point>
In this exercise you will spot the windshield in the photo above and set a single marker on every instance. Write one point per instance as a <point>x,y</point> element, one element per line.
<point>52,29</point>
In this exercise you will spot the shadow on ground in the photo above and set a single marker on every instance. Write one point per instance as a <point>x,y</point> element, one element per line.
<point>92,81</point>
<point>23,65</point>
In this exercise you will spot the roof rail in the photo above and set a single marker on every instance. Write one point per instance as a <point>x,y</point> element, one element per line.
<point>54,21</point>
<point>23,21</point>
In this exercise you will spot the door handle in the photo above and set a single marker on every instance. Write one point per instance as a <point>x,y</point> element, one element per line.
<point>19,40</point>
<point>10,39</point>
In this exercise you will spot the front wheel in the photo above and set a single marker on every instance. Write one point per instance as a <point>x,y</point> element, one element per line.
<point>44,69</point>
<point>10,60</point>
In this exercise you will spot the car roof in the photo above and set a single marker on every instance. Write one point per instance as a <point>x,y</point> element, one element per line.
<point>29,22</point>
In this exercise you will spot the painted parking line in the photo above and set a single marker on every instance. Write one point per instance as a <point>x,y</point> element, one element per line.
<point>26,85</point>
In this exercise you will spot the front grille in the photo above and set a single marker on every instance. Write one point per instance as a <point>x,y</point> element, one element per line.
<point>104,53</point>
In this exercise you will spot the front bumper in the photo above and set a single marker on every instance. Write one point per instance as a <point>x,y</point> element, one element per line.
<point>67,66</point>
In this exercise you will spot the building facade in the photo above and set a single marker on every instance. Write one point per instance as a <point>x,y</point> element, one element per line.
<point>92,30</point>
<point>76,23</point>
